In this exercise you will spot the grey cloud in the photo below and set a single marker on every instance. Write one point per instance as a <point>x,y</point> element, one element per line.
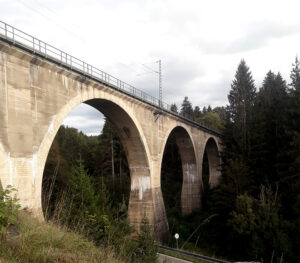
<point>257,35</point>
<point>86,119</point>
<point>178,72</point>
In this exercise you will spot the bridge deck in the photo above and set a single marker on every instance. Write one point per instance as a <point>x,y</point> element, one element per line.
<point>22,40</point>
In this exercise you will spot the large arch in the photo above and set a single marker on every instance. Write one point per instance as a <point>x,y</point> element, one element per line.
<point>131,135</point>
<point>212,151</point>
<point>191,188</point>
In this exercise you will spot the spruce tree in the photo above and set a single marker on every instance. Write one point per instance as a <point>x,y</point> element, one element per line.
<point>295,75</point>
<point>146,248</point>
<point>236,174</point>
<point>187,109</point>
<point>83,196</point>
<point>269,139</point>
<point>174,108</point>
<point>236,133</point>
<point>197,113</point>
<point>241,100</point>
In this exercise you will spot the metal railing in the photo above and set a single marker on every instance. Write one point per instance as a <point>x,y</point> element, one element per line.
<point>18,37</point>
<point>191,255</point>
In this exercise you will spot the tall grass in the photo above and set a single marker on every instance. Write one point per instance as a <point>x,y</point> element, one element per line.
<point>24,238</point>
<point>33,241</point>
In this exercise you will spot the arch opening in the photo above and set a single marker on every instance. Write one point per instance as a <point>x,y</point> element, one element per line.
<point>171,177</point>
<point>127,161</point>
<point>180,181</point>
<point>210,165</point>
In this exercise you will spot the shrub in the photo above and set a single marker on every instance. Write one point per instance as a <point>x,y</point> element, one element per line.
<point>8,207</point>
<point>146,249</point>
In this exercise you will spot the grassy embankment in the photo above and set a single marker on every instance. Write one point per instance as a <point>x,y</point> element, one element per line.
<point>29,240</point>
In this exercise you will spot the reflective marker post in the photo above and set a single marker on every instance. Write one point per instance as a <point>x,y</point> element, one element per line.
<point>176,237</point>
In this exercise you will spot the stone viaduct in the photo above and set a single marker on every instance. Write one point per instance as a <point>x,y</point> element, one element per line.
<point>39,87</point>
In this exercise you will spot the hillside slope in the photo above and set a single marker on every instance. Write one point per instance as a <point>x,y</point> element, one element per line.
<point>30,240</point>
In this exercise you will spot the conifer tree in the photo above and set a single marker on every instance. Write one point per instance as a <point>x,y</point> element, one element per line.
<point>269,139</point>
<point>174,108</point>
<point>241,100</point>
<point>83,196</point>
<point>236,133</point>
<point>197,113</point>
<point>295,75</point>
<point>187,109</point>
<point>146,249</point>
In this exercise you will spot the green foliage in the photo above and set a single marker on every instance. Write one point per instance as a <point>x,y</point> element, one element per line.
<point>241,100</point>
<point>55,180</point>
<point>39,242</point>
<point>212,120</point>
<point>87,184</point>
<point>174,108</point>
<point>8,207</point>
<point>295,75</point>
<point>258,197</point>
<point>243,218</point>
<point>84,209</point>
<point>146,250</point>
<point>104,160</point>
<point>187,109</point>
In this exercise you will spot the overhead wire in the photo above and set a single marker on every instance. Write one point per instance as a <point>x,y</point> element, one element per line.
<point>33,9</point>
<point>51,20</point>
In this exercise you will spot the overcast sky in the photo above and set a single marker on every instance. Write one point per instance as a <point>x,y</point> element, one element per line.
<point>199,42</point>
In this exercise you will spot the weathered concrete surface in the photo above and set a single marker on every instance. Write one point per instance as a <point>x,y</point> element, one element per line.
<point>36,96</point>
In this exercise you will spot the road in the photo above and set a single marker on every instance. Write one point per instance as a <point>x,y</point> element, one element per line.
<point>168,259</point>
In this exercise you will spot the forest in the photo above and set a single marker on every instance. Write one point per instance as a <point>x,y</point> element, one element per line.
<point>254,214</point>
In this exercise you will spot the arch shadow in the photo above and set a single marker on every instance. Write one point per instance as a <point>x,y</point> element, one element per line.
<point>212,151</point>
<point>190,197</point>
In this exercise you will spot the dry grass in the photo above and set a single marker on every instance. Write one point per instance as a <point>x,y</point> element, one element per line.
<point>32,241</point>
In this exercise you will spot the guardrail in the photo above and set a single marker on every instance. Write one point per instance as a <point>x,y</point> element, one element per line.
<point>192,255</point>
<point>20,38</point>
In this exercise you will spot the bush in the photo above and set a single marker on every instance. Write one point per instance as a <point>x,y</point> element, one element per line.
<point>8,207</point>
<point>146,249</point>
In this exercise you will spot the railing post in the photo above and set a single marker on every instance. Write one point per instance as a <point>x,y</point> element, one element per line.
<point>13,34</point>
